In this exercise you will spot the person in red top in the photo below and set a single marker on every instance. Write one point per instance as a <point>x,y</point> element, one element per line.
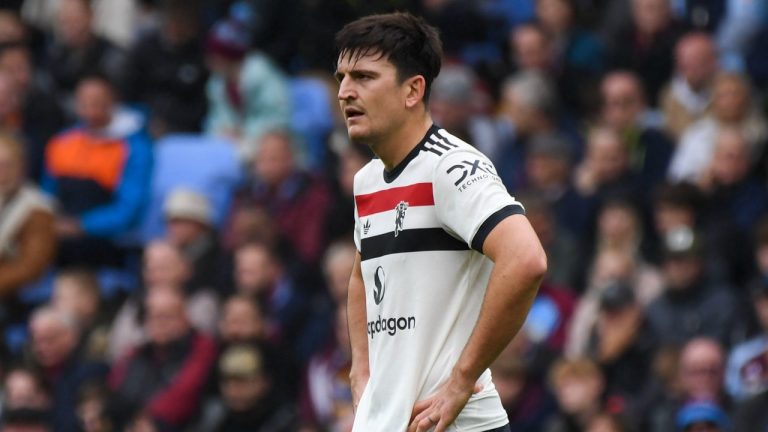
<point>161,381</point>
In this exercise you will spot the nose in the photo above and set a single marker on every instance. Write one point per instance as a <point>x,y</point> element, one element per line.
<point>346,90</point>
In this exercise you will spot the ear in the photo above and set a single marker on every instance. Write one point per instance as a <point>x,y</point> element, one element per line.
<point>415,87</point>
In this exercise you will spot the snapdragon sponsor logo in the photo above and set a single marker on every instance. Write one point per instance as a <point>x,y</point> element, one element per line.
<point>390,326</point>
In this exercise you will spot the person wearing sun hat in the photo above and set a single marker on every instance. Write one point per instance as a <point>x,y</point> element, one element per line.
<point>190,224</point>
<point>247,94</point>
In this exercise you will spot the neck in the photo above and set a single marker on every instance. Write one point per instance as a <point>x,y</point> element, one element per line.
<point>396,146</point>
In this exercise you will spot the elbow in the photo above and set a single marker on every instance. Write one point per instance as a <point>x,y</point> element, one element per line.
<point>537,265</point>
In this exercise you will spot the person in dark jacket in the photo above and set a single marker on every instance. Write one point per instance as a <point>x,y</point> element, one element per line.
<point>55,341</point>
<point>161,381</point>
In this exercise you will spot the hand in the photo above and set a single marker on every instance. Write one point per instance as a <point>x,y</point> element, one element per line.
<point>68,227</point>
<point>441,409</point>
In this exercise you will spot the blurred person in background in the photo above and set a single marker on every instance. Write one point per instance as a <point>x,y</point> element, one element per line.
<point>578,386</point>
<point>548,169</point>
<point>607,422</point>
<point>624,108</point>
<point>296,200</point>
<point>190,228</point>
<point>352,157</point>
<point>166,70</point>
<point>163,379</point>
<point>563,260</point>
<point>12,28</point>
<point>531,48</point>
<point>92,409</point>
<point>76,51</point>
<point>248,399</point>
<point>456,103</point>
<point>578,53</point>
<point>605,169</point>
<point>100,197</point>
<point>692,303</point>
<point>687,97</point>
<point>260,274</point>
<point>337,267</point>
<point>529,107</point>
<point>702,417</point>
<point>55,338</point>
<point>747,372</point>
<point>700,378</point>
<point>645,45</point>
<point>78,294</point>
<point>326,397</point>
<point>164,269</point>
<point>27,236</point>
<point>24,389</point>
<point>247,94</point>
<point>732,106</point>
<point>38,115</point>
<point>523,393</point>
<point>623,343</point>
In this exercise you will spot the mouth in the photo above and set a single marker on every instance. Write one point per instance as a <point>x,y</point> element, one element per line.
<point>352,113</point>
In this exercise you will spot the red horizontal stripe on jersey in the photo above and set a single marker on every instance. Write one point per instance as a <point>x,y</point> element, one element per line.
<point>419,194</point>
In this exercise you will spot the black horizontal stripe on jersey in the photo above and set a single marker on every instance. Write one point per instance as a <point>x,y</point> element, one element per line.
<point>412,240</point>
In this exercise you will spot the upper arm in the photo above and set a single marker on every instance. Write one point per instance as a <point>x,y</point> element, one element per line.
<point>513,240</point>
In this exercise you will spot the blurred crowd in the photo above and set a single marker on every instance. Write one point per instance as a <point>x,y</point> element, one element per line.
<point>176,209</point>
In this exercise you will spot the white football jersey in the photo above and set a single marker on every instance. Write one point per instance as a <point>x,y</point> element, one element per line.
<point>419,230</point>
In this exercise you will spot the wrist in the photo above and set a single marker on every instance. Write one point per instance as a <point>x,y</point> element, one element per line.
<point>463,377</point>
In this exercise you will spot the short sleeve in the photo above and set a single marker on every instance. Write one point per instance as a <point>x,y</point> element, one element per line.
<point>470,199</point>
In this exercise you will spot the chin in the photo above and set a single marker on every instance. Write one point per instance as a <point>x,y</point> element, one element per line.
<point>358,134</point>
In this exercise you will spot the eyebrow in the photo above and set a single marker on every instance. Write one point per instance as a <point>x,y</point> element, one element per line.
<point>355,72</point>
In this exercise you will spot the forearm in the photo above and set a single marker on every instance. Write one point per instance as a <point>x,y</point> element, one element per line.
<point>357,321</point>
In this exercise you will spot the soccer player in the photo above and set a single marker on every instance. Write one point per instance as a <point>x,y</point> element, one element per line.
<point>447,264</point>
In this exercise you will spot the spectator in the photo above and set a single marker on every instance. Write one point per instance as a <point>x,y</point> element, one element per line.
<point>55,338</point>
<point>27,237</point>
<point>607,422</point>
<point>38,115</point>
<point>166,70</point>
<point>531,48</point>
<point>76,51</point>
<point>247,95</point>
<point>260,274</point>
<point>337,268</point>
<point>548,170</point>
<point>692,304</point>
<point>578,386</point>
<point>247,399</point>
<point>623,343</point>
<point>165,269</point>
<point>327,393</point>
<point>12,28</point>
<point>605,172</point>
<point>747,374</point>
<point>731,107</point>
<point>456,103</point>
<point>100,197</point>
<point>688,95</point>
<point>24,388</point>
<point>352,157</point>
<point>190,225</point>
<point>92,409</point>
<point>563,260</point>
<point>578,53</point>
<point>645,45</point>
<point>297,201</point>
<point>525,398</point>
<point>163,378</point>
<point>625,110</point>
<point>702,416</point>
<point>78,294</point>
<point>529,107</point>
<point>700,375</point>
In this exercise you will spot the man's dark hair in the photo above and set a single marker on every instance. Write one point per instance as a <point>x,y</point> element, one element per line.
<point>408,42</point>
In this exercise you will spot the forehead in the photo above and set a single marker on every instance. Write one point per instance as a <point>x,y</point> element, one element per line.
<point>361,59</point>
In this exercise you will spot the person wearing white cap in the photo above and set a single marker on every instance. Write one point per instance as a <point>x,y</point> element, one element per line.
<point>189,219</point>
